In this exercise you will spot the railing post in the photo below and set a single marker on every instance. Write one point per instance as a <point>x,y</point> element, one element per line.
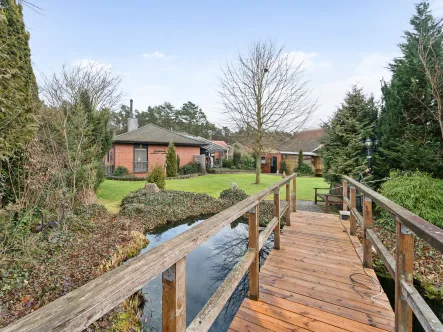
<point>367,224</point>
<point>294,191</point>
<point>277,214</point>
<point>174,297</point>
<point>253,244</point>
<point>352,220</point>
<point>345,195</point>
<point>404,265</point>
<point>288,200</point>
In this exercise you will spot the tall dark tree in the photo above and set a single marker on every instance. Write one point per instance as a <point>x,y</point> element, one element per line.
<point>18,88</point>
<point>354,120</point>
<point>410,137</point>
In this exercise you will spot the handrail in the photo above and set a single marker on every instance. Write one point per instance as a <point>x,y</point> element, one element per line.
<point>407,298</point>
<point>84,305</point>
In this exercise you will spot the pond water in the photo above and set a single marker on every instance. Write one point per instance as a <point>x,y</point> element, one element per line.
<point>206,268</point>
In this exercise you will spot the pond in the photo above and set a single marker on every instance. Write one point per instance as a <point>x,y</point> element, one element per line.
<point>206,268</point>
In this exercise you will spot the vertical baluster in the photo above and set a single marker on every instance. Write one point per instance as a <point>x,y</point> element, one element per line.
<point>404,264</point>
<point>174,297</point>
<point>288,200</point>
<point>294,192</point>
<point>253,244</point>
<point>352,220</point>
<point>345,195</point>
<point>367,224</point>
<point>277,214</point>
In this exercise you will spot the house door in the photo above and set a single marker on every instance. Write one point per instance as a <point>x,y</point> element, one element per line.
<point>273,164</point>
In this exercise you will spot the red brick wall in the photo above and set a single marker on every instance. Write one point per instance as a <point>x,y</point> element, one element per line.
<point>266,168</point>
<point>124,155</point>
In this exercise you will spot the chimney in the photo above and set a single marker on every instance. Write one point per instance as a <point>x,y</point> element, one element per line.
<point>132,120</point>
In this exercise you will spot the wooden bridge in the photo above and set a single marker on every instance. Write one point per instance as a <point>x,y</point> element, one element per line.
<point>318,277</point>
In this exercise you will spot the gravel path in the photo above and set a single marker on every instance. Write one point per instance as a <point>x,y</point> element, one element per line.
<point>309,206</point>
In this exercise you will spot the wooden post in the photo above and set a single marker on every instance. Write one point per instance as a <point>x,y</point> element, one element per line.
<point>367,224</point>
<point>404,264</point>
<point>253,244</point>
<point>345,195</point>
<point>277,214</point>
<point>294,191</point>
<point>288,200</point>
<point>352,220</point>
<point>174,297</point>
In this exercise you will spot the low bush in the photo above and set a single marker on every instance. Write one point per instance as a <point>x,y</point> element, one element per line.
<point>232,196</point>
<point>418,192</point>
<point>121,171</point>
<point>190,168</point>
<point>283,167</point>
<point>157,176</point>
<point>227,163</point>
<point>304,170</point>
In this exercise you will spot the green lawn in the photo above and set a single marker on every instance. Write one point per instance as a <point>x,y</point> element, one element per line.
<point>111,192</point>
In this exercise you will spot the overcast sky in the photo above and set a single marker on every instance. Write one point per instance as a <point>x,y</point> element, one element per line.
<point>172,51</point>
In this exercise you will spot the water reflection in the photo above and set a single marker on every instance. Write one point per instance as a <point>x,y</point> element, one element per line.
<point>206,268</point>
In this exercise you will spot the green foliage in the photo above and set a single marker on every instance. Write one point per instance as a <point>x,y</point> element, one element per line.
<point>354,120</point>
<point>283,167</point>
<point>178,163</point>
<point>168,205</point>
<point>171,161</point>
<point>409,133</point>
<point>231,197</point>
<point>227,163</point>
<point>157,176</point>
<point>304,170</point>
<point>236,159</point>
<point>418,192</point>
<point>190,168</point>
<point>18,87</point>
<point>121,171</point>
<point>300,157</point>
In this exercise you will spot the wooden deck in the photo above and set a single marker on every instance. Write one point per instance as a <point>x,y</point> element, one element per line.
<point>316,282</point>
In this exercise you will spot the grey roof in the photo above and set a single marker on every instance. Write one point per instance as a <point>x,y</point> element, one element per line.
<point>154,134</point>
<point>297,145</point>
<point>209,145</point>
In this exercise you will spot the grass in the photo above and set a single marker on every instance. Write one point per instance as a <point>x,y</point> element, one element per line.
<point>111,192</point>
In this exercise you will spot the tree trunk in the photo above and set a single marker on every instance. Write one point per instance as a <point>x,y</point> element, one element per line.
<point>258,169</point>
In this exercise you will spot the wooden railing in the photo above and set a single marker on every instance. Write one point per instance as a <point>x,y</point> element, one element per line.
<point>81,307</point>
<point>407,298</point>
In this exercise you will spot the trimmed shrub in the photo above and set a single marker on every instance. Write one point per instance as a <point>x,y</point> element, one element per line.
<point>236,159</point>
<point>418,192</point>
<point>120,171</point>
<point>227,163</point>
<point>178,163</point>
<point>171,161</point>
<point>157,176</point>
<point>190,168</point>
<point>232,196</point>
<point>283,167</point>
<point>304,170</point>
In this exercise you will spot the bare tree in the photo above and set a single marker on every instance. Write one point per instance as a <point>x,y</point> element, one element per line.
<point>430,54</point>
<point>264,92</point>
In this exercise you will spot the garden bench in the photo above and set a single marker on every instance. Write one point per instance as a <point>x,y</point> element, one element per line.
<point>334,196</point>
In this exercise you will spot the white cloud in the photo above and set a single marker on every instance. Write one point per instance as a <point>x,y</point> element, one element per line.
<point>93,64</point>
<point>437,7</point>
<point>158,55</point>
<point>308,61</point>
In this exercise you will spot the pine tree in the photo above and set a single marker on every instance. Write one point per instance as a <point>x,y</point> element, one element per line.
<point>354,120</point>
<point>171,161</point>
<point>18,88</point>
<point>410,137</point>
<point>300,158</point>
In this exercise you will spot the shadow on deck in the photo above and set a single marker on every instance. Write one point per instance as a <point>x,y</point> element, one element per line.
<point>316,282</point>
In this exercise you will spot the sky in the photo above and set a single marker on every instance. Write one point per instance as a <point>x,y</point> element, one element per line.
<point>174,50</point>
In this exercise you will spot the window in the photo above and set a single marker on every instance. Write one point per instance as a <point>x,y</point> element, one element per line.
<point>263,160</point>
<point>140,160</point>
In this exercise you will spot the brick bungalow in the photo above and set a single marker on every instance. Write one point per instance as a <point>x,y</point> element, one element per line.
<point>140,149</point>
<point>308,141</point>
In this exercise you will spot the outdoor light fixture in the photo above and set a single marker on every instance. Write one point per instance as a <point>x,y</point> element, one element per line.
<point>370,146</point>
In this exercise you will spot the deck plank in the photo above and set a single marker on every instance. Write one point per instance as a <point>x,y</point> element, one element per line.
<point>316,282</point>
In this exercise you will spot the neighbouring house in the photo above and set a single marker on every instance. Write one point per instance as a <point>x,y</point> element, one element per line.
<point>308,141</point>
<point>141,149</point>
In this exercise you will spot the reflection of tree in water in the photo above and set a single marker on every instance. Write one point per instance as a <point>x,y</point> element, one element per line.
<point>225,253</point>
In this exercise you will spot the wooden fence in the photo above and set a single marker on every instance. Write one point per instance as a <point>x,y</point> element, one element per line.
<point>81,307</point>
<point>407,298</point>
